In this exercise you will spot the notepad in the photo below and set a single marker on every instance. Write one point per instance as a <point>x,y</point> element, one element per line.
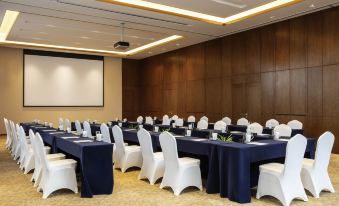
<point>57,133</point>
<point>262,135</point>
<point>258,143</point>
<point>40,127</point>
<point>235,132</point>
<point>286,140</point>
<point>70,137</point>
<point>176,136</point>
<point>199,140</point>
<point>80,141</point>
<point>48,130</point>
<point>129,129</point>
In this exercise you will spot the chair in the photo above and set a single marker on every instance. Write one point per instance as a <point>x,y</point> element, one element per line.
<point>314,174</point>
<point>179,172</point>
<point>153,165</point>
<point>125,156</point>
<point>191,119</point>
<point>271,123</point>
<point>202,124</point>
<point>36,177</point>
<point>220,125</point>
<point>227,120</point>
<point>204,118</point>
<point>149,120</point>
<point>166,122</point>
<point>283,181</point>
<point>67,124</point>
<point>140,119</point>
<point>283,130</point>
<point>255,128</point>
<point>78,127</point>
<point>295,124</point>
<point>174,117</point>
<point>61,124</point>
<point>87,128</point>
<point>16,149</point>
<point>59,174</point>
<point>165,117</point>
<point>106,137</point>
<point>243,121</point>
<point>8,136</point>
<point>179,122</point>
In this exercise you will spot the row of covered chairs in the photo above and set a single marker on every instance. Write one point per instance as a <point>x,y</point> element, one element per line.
<point>177,173</point>
<point>287,181</point>
<point>51,171</point>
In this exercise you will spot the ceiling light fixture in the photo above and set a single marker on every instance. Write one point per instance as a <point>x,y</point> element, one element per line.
<point>11,16</point>
<point>239,6</point>
<point>146,5</point>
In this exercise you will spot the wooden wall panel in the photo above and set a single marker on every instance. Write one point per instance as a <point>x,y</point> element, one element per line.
<point>282,43</point>
<point>298,91</point>
<point>315,92</point>
<point>282,92</point>
<point>288,70</point>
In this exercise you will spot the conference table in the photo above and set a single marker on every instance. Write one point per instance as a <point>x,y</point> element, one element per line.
<point>233,168</point>
<point>94,157</point>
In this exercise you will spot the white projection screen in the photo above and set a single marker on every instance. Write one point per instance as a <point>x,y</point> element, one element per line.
<point>63,80</point>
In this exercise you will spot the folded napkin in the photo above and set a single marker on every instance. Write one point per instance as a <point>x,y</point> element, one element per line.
<point>70,137</point>
<point>80,141</point>
<point>257,143</point>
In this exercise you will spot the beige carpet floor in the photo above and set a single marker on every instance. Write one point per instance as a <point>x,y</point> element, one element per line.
<point>16,189</point>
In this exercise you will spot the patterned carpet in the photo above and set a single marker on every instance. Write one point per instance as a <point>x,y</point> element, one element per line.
<point>16,189</point>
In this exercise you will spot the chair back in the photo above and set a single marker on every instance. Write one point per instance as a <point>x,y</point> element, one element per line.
<point>271,123</point>
<point>220,125</point>
<point>14,133</point>
<point>22,139</point>
<point>61,124</point>
<point>145,142</point>
<point>202,124</point>
<point>78,127</point>
<point>227,120</point>
<point>283,129</point>
<point>243,121</point>
<point>323,151</point>
<point>255,128</point>
<point>105,133</point>
<point>119,140</point>
<point>140,119</point>
<point>67,124</point>
<point>34,146</point>
<point>191,119</point>
<point>6,126</point>
<point>179,122</point>
<point>204,118</point>
<point>295,124</point>
<point>174,117</point>
<point>295,152</point>
<point>166,121</point>
<point>169,149</point>
<point>41,152</point>
<point>149,120</point>
<point>165,117</point>
<point>87,128</point>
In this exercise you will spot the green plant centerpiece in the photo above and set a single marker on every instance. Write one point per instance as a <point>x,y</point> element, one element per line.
<point>133,127</point>
<point>165,130</point>
<point>227,139</point>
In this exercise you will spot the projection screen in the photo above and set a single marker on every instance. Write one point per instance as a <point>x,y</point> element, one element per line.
<point>63,80</point>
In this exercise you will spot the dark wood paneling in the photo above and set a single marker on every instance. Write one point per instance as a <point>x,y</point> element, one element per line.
<point>238,54</point>
<point>170,101</point>
<point>226,57</point>
<point>331,40</point>
<point>213,96</point>
<point>226,97</point>
<point>314,31</point>
<point>195,98</point>
<point>267,48</point>
<point>282,92</point>
<point>213,58</point>
<point>253,97</point>
<point>297,43</point>
<point>298,91</point>
<point>282,43</point>
<point>195,62</point>
<point>252,57</point>
<point>315,91</point>
<point>331,90</point>
<point>267,93</point>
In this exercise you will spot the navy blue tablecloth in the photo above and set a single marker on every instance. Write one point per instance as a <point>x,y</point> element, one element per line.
<point>232,167</point>
<point>95,159</point>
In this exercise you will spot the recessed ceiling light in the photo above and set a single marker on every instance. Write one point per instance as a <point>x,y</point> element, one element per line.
<point>239,6</point>
<point>177,44</point>
<point>150,52</point>
<point>42,32</point>
<point>98,32</point>
<point>50,25</point>
<point>272,17</point>
<point>36,38</point>
<point>85,37</point>
<point>150,6</point>
<point>312,6</point>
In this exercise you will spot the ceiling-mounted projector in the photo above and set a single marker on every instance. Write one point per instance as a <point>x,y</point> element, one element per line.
<point>121,45</point>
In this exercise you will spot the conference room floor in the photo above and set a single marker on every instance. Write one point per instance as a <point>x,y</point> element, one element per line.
<point>16,189</point>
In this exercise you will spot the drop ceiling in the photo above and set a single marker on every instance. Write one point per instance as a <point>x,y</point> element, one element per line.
<point>96,25</point>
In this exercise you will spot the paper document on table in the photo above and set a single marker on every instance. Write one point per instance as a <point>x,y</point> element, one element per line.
<point>80,141</point>
<point>129,129</point>
<point>176,136</point>
<point>70,137</point>
<point>258,143</point>
<point>199,140</point>
<point>57,133</point>
<point>286,140</point>
<point>49,130</point>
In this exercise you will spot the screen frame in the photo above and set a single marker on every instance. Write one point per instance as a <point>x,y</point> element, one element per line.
<point>64,55</point>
